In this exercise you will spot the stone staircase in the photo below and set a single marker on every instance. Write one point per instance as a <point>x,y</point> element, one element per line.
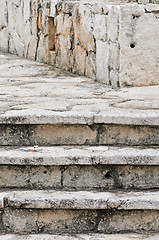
<point>77,159</point>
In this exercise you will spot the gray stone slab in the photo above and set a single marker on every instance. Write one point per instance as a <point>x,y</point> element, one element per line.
<point>78,155</point>
<point>83,200</point>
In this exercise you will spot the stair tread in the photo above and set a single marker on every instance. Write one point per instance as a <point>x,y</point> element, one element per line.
<point>81,237</point>
<point>78,155</point>
<point>106,116</point>
<point>52,199</point>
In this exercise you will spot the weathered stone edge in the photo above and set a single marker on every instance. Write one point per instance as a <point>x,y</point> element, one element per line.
<point>109,116</point>
<point>80,237</point>
<point>85,155</point>
<point>82,200</point>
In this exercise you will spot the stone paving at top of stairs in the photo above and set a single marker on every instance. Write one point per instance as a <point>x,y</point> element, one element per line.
<point>35,93</point>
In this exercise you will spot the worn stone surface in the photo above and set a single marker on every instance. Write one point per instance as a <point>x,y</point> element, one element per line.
<point>135,220</point>
<point>110,177</point>
<point>78,155</point>
<point>52,199</point>
<point>86,221</point>
<point>49,221</point>
<point>114,134</point>
<point>52,134</point>
<point>81,237</point>
<point>138,57</point>
<point>30,177</point>
<point>66,99</point>
<point>79,177</point>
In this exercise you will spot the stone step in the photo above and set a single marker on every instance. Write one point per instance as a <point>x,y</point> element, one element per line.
<point>81,237</point>
<point>79,212</point>
<point>85,167</point>
<point>110,127</point>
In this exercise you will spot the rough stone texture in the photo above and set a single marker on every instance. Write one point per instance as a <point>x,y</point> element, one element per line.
<point>129,135</point>
<point>30,177</point>
<point>138,50</point>
<point>79,177</point>
<point>52,199</point>
<point>81,237</point>
<point>110,177</point>
<point>61,221</point>
<point>47,135</point>
<point>49,221</point>
<point>78,155</point>
<point>104,41</point>
<point>78,167</point>
<point>131,220</point>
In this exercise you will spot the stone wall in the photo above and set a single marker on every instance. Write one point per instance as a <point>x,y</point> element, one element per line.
<point>116,44</point>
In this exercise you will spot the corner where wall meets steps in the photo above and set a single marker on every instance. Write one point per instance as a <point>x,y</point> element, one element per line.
<point>114,42</point>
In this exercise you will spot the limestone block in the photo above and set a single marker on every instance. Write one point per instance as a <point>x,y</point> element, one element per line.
<point>91,65</point>
<point>17,42</point>
<point>18,22</point>
<point>131,221</point>
<point>80,59</point>
<point>113,23</point>
<point>53,8</point>
<point>64,25</point>
<point>41,49</point>
<point>83,28</point>
<point>114,78</point>
<point>85,12</point>
<point>4,36</point>
<point>20,221</point>
<point>139,58</point>
<point>100,27</point>
<point>87,177</point>
<point>31,50</point>
<point>30,177</point>
<point>128,135</point>
<point>64,54</point>
<point>3,15</point>
<point>114,56</point>
<point>11,44</point>
<point>68,135</point>
<point>66,221</point>
<point>26,10</point>
<point>102,58</point>
<point>59,24</point>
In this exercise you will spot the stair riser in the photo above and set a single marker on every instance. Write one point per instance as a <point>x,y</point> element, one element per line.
<point>79,177</point>
<point>78,221</point>
<point>47,135</point>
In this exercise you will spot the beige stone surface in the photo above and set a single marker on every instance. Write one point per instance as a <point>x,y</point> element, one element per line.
<point>102,58</point>
<point>139,46</point>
